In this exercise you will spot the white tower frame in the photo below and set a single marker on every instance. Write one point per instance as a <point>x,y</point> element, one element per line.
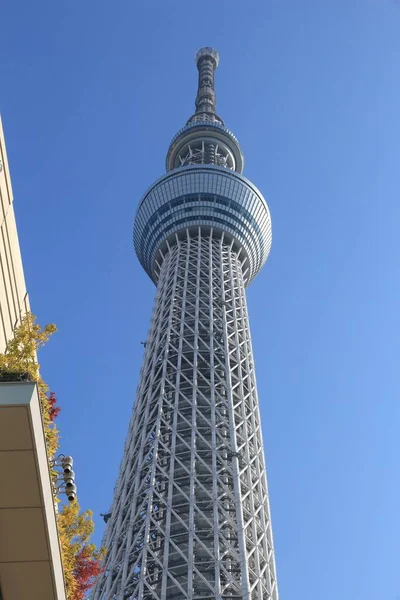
<point>190,518</point>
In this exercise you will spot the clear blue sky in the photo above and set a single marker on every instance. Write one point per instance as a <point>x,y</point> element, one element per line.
<point>91,93</point>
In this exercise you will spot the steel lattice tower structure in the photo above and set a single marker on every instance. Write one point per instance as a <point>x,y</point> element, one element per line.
<point>190,518</point>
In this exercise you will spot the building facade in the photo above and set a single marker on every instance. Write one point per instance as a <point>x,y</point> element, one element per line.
<point>190,518</point>
<point>30,554</point>
<point>14,301</point>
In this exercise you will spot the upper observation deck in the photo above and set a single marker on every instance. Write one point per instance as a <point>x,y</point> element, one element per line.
<point>203,187</point>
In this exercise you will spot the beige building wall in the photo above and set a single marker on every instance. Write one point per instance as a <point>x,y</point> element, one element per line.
<point>30,554</point>
<point>14,300</point>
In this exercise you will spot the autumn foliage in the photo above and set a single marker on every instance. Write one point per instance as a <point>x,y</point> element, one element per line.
<point>53,409</point>
<point>81,560</point>
<point>20,361</point>
<point>86,571</point>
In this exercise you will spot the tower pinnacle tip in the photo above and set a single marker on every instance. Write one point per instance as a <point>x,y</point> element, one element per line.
<point>207,51</point>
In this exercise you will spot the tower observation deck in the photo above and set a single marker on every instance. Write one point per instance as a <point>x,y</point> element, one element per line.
<point>190,518</point>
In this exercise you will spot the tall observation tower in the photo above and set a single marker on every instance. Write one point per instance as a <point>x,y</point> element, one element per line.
<point>190,518</point>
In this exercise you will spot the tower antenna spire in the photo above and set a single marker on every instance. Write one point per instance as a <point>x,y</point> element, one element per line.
<point>207,60</point>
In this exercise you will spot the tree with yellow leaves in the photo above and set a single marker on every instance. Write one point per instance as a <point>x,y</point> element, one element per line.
<point>81,560</point>
<point>19,362</point>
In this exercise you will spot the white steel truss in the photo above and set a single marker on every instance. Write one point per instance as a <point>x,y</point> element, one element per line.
<point>190,518</point>
<point>202,151</point>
